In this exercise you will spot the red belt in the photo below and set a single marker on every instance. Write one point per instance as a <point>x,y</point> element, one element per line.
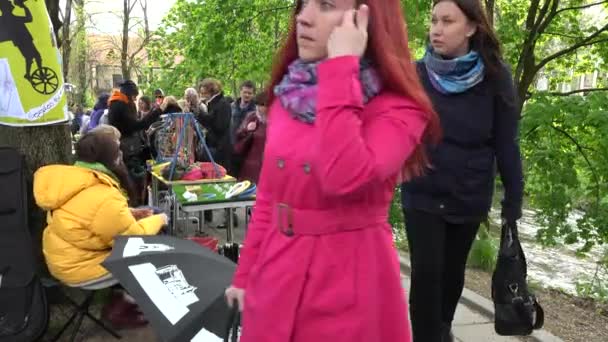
<point>292,221</point>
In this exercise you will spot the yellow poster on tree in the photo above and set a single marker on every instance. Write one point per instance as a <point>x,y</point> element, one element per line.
<point>31,81</point>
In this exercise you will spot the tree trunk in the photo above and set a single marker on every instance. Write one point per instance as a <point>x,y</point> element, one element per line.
<point>52,7</point>
<point>66,49</point>
<point>41,146</point>
<point>124,52</point>
<point>82,53</point>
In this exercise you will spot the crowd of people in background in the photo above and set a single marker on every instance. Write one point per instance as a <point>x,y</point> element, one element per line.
<point>234,129</point>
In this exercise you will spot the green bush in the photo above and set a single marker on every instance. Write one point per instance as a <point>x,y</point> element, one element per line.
<point>396,219</point>
<point>595,287</point>
<point>484,251</point>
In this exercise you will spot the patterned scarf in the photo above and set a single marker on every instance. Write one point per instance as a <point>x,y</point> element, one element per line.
<point>298,89</point>
<point>454,76</point>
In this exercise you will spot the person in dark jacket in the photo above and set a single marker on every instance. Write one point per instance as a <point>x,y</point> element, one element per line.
<point>100,107</point>
<point>217,122</point>
<point>122,114</point>
<point>251,139</point>
<point>240,108</point>
<point>472,90</point>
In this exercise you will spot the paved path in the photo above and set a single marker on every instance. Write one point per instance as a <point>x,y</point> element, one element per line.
<point>470,326</point>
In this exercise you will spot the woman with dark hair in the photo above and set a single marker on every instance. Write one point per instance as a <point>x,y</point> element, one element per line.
<point>88,208</point>
<point>144,106</point>
<point>122,114</point>
<point>347,118</point>
<point>472,90</point>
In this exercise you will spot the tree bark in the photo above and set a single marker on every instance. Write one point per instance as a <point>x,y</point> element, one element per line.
<point>41,146</point>
<point>52,7</point>
<point>82,53</point>
<point>66,46</point>
<point>124,51</point>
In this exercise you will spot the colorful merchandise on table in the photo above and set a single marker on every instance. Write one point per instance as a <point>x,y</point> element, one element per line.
<point>217,192</point>
<point>167,140</point>
<point>193,172</point>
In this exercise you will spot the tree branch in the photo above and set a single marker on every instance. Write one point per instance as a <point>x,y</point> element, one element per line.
<point>563,35</point>
<point>587,90</point>
<point>532,10</point>
<point>574,8</point>
<point>585,42</point>
<point>548,19</point>
<point>531,131</point>
<point>132,6</point>
<point>581,150</point>
<point>146,38</point>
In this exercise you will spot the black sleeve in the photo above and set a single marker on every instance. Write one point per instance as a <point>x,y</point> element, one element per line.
<point>223,116</point>
<point>118,116</point>
<point>506,140</point>
<point>205,119</point>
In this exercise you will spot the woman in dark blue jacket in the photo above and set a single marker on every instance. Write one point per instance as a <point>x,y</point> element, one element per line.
<point>472,90</point>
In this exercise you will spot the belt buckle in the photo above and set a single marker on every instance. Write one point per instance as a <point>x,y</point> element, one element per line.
<point>285,219</point>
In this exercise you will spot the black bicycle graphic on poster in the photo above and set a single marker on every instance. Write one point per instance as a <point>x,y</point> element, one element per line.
<point>44,80</point>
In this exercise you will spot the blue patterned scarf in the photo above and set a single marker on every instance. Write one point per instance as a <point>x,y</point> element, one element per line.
<point>454,76</point>
<point>298,89</point>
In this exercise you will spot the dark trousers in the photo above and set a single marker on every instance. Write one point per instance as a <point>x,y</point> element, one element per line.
<point>438,255</point>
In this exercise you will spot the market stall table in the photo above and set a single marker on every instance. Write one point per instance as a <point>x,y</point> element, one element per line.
<point>197,198</point>
<point>157,179</point>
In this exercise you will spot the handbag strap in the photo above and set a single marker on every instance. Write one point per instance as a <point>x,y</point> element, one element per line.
<point>540,315</point>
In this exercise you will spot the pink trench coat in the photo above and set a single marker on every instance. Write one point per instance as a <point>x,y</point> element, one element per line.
<point>319,264</point>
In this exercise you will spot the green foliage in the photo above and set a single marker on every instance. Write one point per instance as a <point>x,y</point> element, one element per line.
<point>595,287</point>
<point>567,165</point>
<point>397,221</point>
<point>229,40</point>
<point>417,15</point>
<point>79,56</point>
<point>484,251</point>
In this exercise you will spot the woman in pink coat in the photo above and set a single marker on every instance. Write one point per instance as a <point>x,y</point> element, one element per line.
<point>346,120</point>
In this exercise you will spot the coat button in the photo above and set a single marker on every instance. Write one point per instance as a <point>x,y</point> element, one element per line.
<point>306,168</point>
<point>280,163</point>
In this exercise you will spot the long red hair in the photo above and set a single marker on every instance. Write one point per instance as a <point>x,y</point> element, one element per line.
<point>389,52</point>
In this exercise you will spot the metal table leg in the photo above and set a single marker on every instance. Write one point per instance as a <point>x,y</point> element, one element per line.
<point>247,217</point>
<point>201,221</point>
<point>175,216</point>
<point>229,229</point>
<point>154,191</point>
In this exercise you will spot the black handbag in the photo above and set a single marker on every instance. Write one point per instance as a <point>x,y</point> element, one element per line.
<point>516,310</point>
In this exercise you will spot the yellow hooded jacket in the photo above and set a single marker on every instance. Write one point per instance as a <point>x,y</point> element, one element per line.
<point>86,210</point>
